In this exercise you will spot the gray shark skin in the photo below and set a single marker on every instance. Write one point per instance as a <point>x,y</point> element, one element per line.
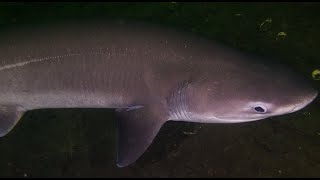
<point>150,74</point>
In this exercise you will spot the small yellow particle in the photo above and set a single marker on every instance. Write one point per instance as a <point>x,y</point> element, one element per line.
<point>281,34</point>
<point>316,74</point>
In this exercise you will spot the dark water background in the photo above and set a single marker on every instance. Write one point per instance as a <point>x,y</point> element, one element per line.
<point>81,143</point>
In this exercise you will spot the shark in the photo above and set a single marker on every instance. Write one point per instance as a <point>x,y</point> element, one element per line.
<point>148,73</point>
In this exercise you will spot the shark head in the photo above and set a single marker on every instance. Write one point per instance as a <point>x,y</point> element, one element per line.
<point>246,91</point>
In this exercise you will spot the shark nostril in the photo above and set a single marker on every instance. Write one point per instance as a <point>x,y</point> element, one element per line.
<point>295,108</point>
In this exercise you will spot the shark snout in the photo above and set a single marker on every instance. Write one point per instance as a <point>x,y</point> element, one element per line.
<point>307,100</point>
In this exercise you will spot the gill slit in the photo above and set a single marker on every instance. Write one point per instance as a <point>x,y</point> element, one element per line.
<point>178,105</point>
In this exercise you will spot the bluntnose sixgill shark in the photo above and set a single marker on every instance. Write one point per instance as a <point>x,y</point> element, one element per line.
<point>148,73</point>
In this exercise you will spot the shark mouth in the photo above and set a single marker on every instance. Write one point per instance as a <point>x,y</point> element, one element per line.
<point>227,120</point>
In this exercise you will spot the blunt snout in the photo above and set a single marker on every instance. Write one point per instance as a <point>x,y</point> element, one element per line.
<point>307,100</point>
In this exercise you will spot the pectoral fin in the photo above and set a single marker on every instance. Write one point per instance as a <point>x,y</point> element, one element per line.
<point>136,130</point>
<point>9,116</point>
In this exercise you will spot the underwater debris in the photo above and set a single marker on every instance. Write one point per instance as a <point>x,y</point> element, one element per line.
<point>281,35</point>
<point>265,25</point>
<point>316,74</point>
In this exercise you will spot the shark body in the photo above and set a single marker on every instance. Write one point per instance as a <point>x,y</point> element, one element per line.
<point>148,73</point>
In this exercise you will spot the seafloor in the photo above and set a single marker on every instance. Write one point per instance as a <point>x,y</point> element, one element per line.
<point>81,142</point>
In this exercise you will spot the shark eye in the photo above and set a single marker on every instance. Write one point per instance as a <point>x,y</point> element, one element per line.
<point>260,109</point>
